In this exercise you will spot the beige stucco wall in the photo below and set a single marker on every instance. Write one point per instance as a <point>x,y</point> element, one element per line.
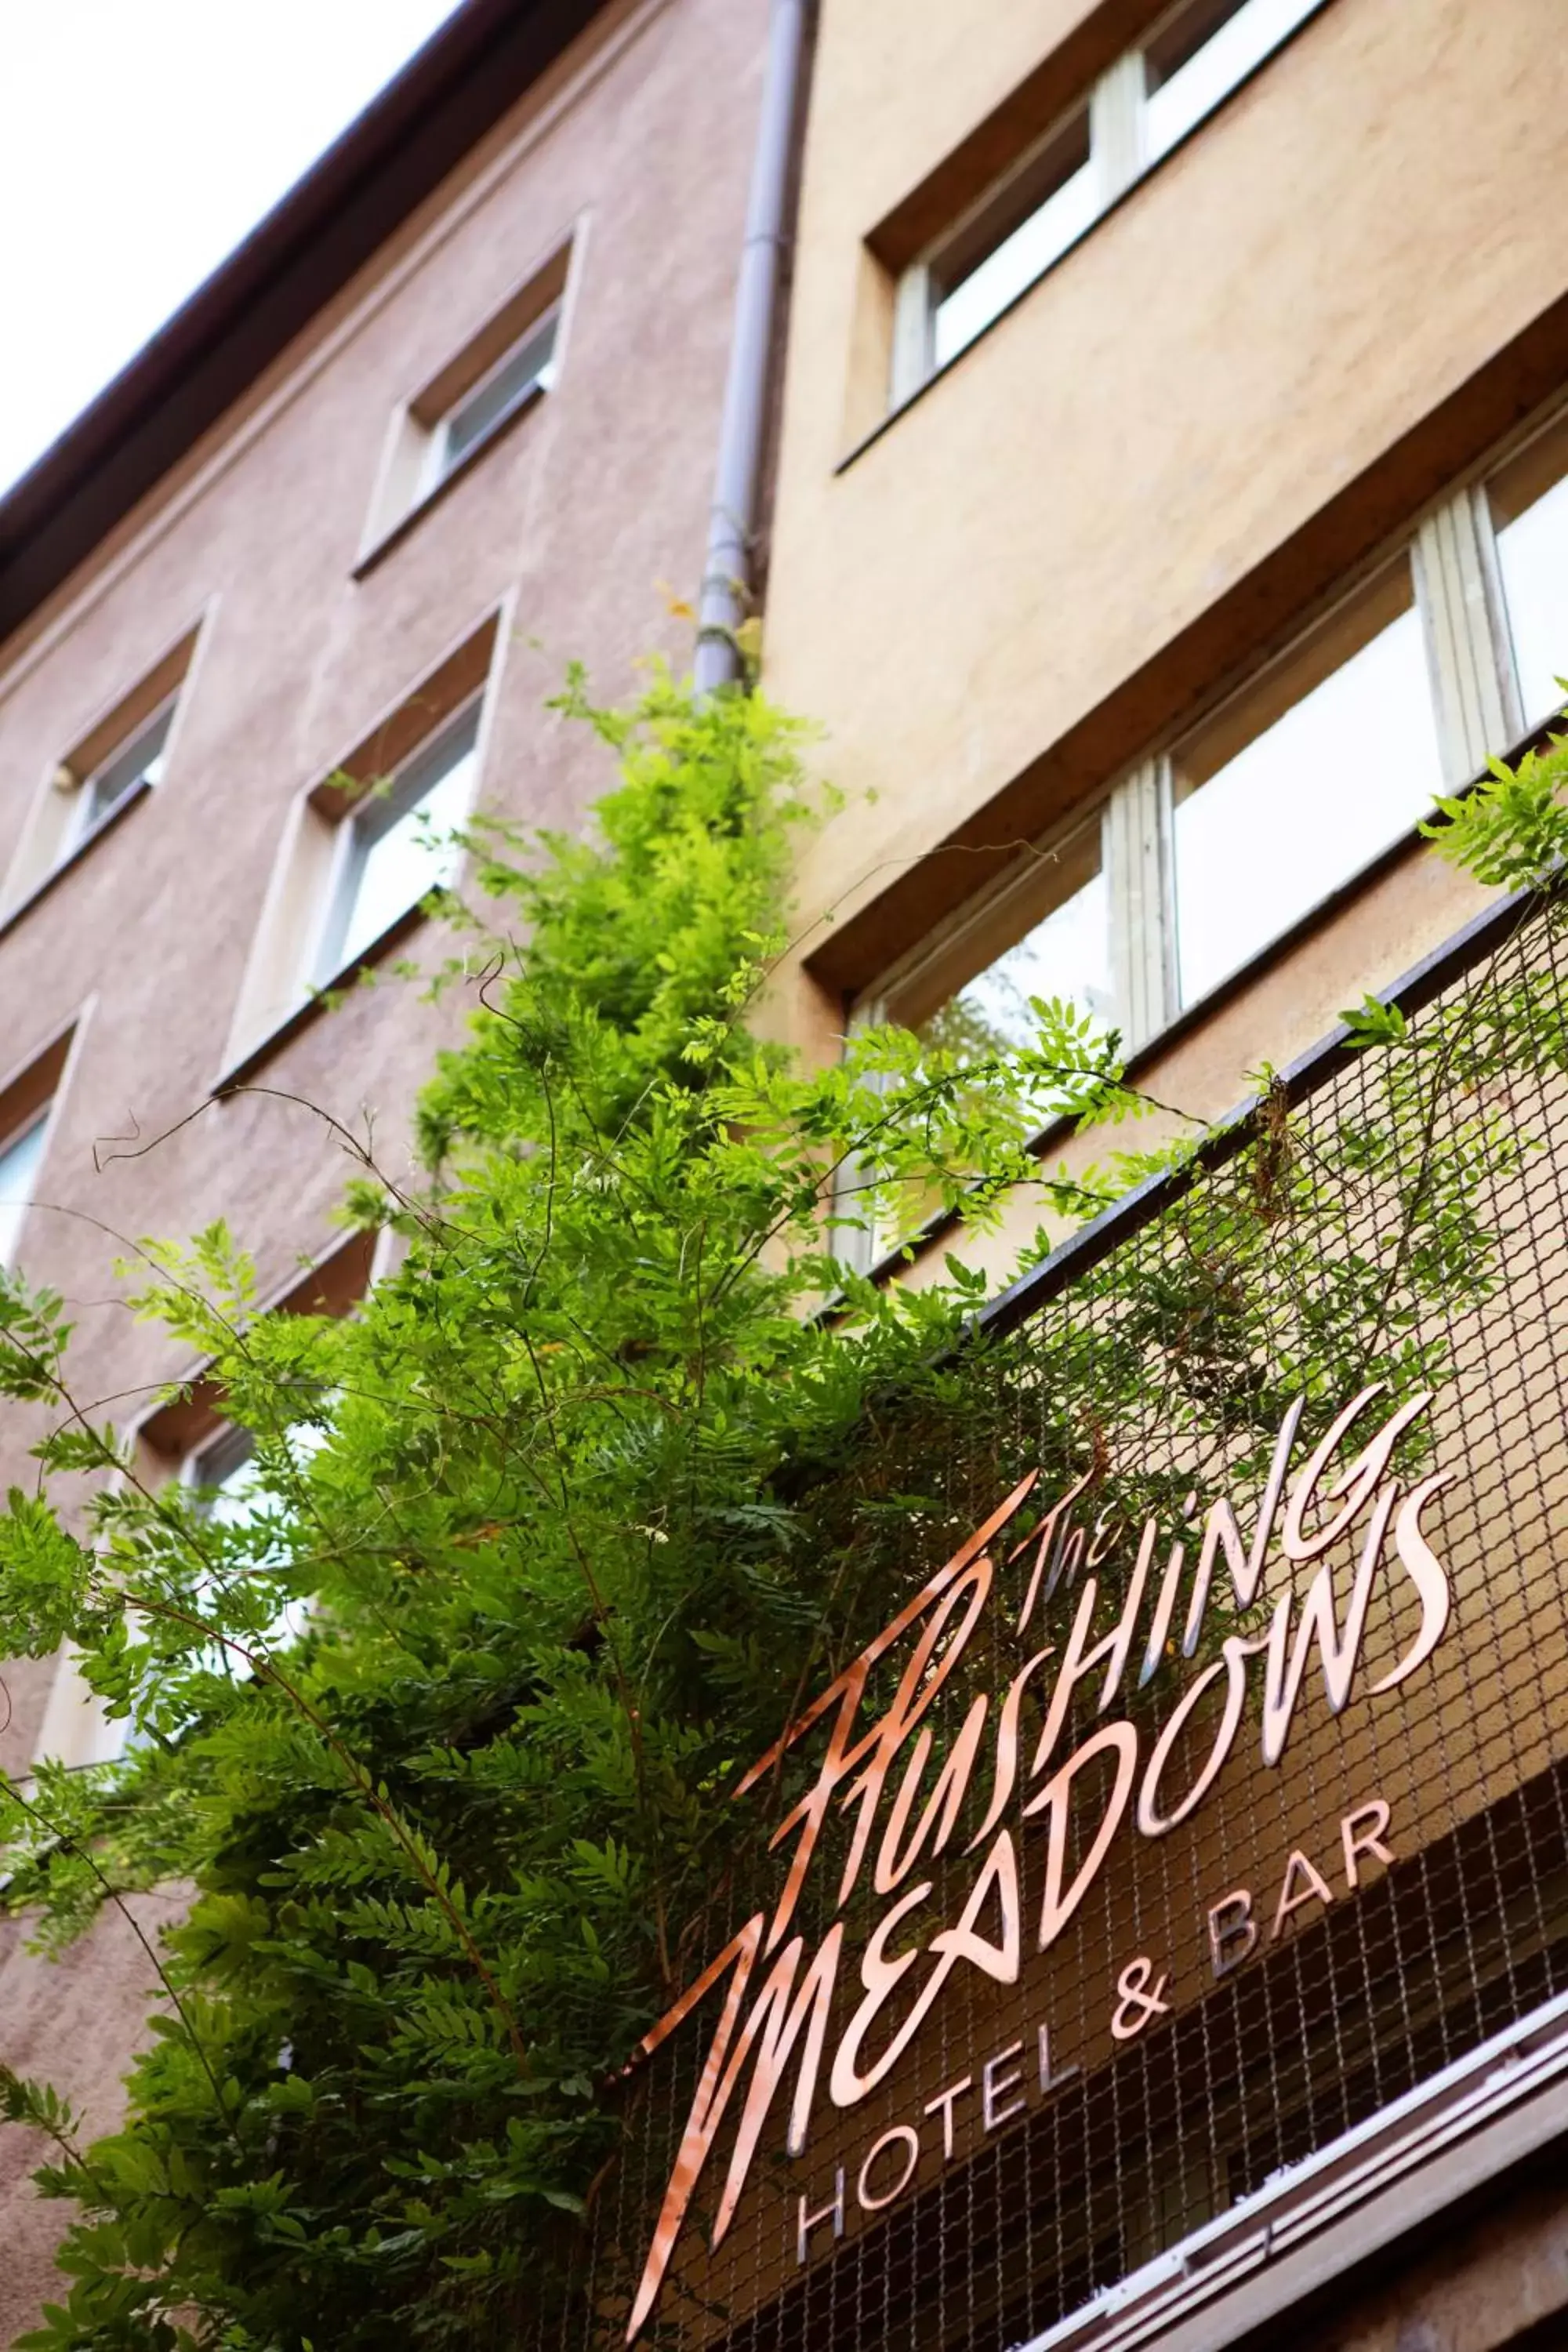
<point>1222,362</point>
<point>642,143</point>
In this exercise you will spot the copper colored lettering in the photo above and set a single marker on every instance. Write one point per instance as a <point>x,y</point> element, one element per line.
<point>1425,1573</point>
<point>1110,1651</point>
<point>944,2100</point>
<point>1357,1841</point>
<point>806,2222</point>
<point>1164,1610</point>
<point>1230,1923</point>
<point>923,1678</point>
<point>1137,2002</point>
<point>1312,1886</point>
<point>901,2134</point>
<point>1101,1542</point>
<point>998,1877</point>
<point>1221,1530</point>
<point>1049,2082</point>
<point>1233,1664</point>
<point>1337,1652</point>
<point>993,2087</point>
<point>775,2022</point>
<point>1354,1484</point>
<point>847,1690</point>
<point>907,1786</point>
<point>1061,1902</point>
<point>939,1814</point>
<point>1006,1773</point>
<point>1042,1539</point>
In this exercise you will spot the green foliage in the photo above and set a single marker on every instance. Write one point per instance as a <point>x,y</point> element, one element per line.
<point>1512,830</point>
<point>548,1501</point>
<point>550,1533</point>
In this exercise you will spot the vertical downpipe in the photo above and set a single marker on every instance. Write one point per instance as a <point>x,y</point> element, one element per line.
<point>732,520</point>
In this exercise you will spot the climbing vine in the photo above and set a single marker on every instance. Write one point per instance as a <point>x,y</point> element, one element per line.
<point>550,1533</point>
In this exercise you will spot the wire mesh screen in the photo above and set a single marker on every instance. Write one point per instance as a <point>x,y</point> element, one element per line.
<point>1179,1776</point>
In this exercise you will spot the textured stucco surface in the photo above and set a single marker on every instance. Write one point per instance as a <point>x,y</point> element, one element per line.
<point>575,515</point>
<point>69,2021</point>
<point>1360,229</point>
<point>1497,2281</point>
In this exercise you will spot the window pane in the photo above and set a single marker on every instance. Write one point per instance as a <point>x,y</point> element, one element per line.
<point>1014,264</point>
<point>1203,54</point>
<point>494,398</point>
<point>19,1164</point>
<point>227,1464</point>
<point>397,850</point>
<point>1068,954</point>
<point>140,761</point>
<point>1062,912</point>
<point>1530,507</point>
<point>226,1467</point>
<point>1292,791</point>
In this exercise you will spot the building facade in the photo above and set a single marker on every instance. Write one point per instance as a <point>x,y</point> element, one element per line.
<point>1169,420</point>
<point>447,422</point>
<point>1172,501</point>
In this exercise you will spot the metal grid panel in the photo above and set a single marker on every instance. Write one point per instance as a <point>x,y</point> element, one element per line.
<point>1404,1224</point>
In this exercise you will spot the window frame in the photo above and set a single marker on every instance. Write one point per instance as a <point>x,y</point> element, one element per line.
<point>1116,105</point>
<point>1551,426</point>
<point>32,1122</point>
<point>439,465</point>
<point>57,831</point>
<point>84,826</point>
<point>279,994</point>
<point>414,471</point>
<point>1450,548</point>
<point>368,819</point>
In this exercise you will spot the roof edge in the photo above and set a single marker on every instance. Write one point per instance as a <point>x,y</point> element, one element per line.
<point>392,156</point>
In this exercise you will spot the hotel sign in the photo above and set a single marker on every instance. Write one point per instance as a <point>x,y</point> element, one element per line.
<point>1235,1633</point>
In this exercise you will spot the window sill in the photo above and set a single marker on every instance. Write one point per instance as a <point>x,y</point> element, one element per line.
<point>379,549</point>
<point>74,855</point>
<point>1150,172</point>
<point>314,1006</point>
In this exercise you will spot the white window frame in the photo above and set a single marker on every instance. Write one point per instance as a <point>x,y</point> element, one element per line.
<point>36,1122</point>
<point>364,823</point>
<point>1117,104</point>
<point>82,824</point>
<point>439,465</point>
<point>1452,551</point>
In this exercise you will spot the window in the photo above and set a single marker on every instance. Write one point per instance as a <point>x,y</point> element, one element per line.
<point>364,846</point>
<point>1053,201</point>
<point>136,767</point>
<point>1203,855</point>
<point>118,760</point>
<point>224,1469</point>
<point>1529,505</point>
<point>525,371</point>
<point>1205,851</point>
<point>1045,933</point>
<point>397,848</point>
<point>20,1161</point>
<point>1200,54</point>
<point>1301,782</point>
<point>27,1102</point>
<point>1142,108</point>
<point>1063,950</point>
<point>503,369</point>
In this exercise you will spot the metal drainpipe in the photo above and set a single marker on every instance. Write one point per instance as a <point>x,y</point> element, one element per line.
<point>732,520</point>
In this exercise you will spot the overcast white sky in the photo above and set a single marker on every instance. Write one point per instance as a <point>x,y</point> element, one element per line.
<point>140,139</point>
